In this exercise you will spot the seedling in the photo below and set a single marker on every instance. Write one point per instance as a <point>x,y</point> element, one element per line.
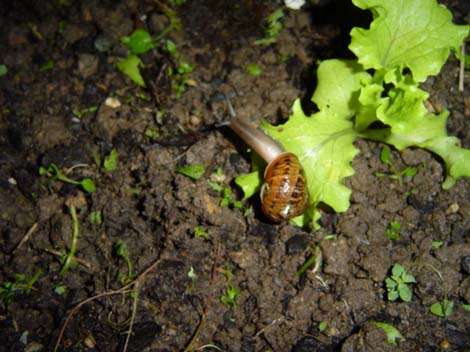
<point>397,284</point>
<point>192,171</point>
<point>68,260</point>
<point>393,230</point>
<point>192,276</point>
<point>230,295</point>
<point>3,70</point>
<point>179,75</point>
<point>199,232</point>
<point>8,289</point>
<point>228,198</point>
<point>79,113</point>
<point>322,326</point>
<point>121,250</point>
<point>49,65</point>
<point>377,97</point>
<point>60,290</point>
<point>386,158</point>
<point>111,160</point>
<point>392,333</point>
<point>443,308</point>
<point>55,173</point>
<point>253,70</point>
<point>96,217</point>
<point>272,29</point>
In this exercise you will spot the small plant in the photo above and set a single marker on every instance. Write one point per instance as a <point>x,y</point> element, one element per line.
<point>199,232</point>
<point>79,113</point>
<point>19,284</point>
<point>192,276</point>
<point>230,295</point>
<point>179,75</point>
<point>386,158</point>
<point>322,326</point>
<point>96,217</point>
<point>120,248</point>
<point>393,230</point>
<point>55,173</point>
<point>228,198</point>
<point>192,171</point>
<point>253,69</point>
<point>111,160</point>
<point>68,260</point>
<point>443,308</point>
<point>273,28</point>
<point>392,333</point>
<point>3,70</point>
<point>397,284</point>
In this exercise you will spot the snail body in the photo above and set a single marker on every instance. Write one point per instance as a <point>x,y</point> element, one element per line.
<point>284,193</point>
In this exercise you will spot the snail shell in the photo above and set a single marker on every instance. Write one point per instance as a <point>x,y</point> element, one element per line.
<point>284,194</point>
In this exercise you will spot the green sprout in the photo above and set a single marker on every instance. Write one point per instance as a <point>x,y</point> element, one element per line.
<point>55,173</point>
<point>322,326</point>
<point>272,29</point>
<point>3,70</point>
<point>79,113</point>
<point>192,276</point>
<point>386,158</point>
<point>49,65</point>
<point>392,333</point>
<point>397,284</point>
<point>379,98</point>
<point>199,232</point>
<point>111,160</point>
<point>8,289</point>
<point>68,261</point>
<point>229,298</point>
<point>121,250</point>
<point>253,69</point>
<point>179,75</point>
<point>130,66</point>
<point>195,171</point>
<point>443,308</point>
<point>393,230</point>
<point>96,217</point>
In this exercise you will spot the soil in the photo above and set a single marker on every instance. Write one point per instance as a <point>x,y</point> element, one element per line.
<point>61,59</point>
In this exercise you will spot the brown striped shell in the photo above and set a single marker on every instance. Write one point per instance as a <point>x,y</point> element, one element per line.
<point>284,193</point>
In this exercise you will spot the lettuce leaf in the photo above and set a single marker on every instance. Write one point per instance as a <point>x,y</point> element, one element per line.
<point>416,34</point>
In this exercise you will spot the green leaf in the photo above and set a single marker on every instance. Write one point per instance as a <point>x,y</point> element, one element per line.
<point>253,69</point>
<point>250,183</point>
<point>397,270</point>
<point>443,308</point>
<point>411,125</point>
<point>324,145</point>
<point>130,67</point>
<point>88,185</point>
<point>415,34</point>
<point>392,333</point>
<point>386,155</point>
<point>3,70</point>
<point>139,42</point>
<point>404,292</point>
<point>339,85</point>
<point>192,171</point>
<point>110,161</point>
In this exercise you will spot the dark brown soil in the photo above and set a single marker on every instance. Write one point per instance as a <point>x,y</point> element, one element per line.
<point>154,210</point>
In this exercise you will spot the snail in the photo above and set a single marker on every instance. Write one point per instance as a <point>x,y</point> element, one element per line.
<point>284,193</point>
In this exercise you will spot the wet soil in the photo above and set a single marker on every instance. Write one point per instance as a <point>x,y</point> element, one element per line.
<point>55,108</point>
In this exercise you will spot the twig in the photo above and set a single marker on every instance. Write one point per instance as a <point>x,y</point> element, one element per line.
<point>134,310</point>
<point>27,236</point>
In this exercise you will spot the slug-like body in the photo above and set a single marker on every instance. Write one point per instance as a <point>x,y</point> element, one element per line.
<point>284,194</point>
